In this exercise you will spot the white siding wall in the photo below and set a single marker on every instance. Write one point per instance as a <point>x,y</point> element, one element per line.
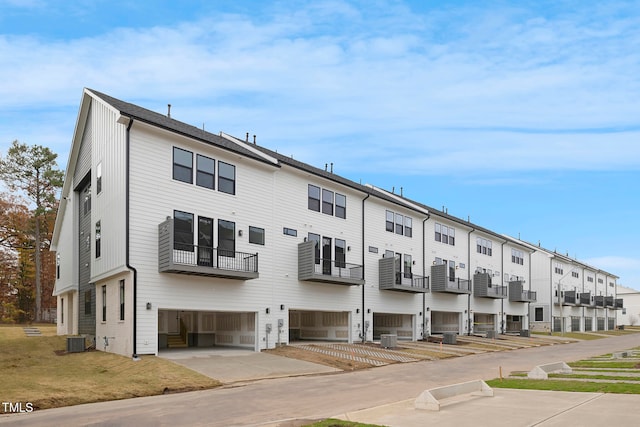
<point>386,301</point>
<point>117,332</point>
<point>108,207</point>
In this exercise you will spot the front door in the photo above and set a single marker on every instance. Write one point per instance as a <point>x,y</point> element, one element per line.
<point>326,255</point>
<point>205,241</point>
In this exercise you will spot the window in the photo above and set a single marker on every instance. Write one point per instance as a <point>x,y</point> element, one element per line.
<point>399,224</point>
<point>314,198</point>
<point>575,274</point>
<point>226,238</point>
<point>341,206</point>
<point>517,257</point>
<point>389,254</point>
<point>408,226</point>
<point>86,203</point>
<point>98,239</point>
<point>226,178</point>
<point>182,231</point>
<point>205,241</point>
<point>558,268</point>
<point>407,266</point>
<point>484,246</point>
<point>104,303</point>
<point>327,202</point>
<point>373,249</point>
<point>290,232</point>
<point>99,178</point>
<point>57,266</point>
<point>539,314</point>
<point>62,310</point>
<point>316,238</point>
<point>182,165</point>
<point>600,281</point>
<point>121,299</point>
<point>389,222</point>
<point>205,172</point>
<point>340,253</point>
<point>256,235</point>
<point>445,234</point>
<point>589,279</point>
<point>87,302</point>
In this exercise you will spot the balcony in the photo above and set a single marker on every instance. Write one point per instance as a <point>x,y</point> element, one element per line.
<point>326,270</point>
<point>517,293</point>
<point>201,260</point>
<point>617,304</point>
<point>609,302</point>
<point>599,301</point>
<point>569,298</point>
<point>443,282</point>
<point>393,280</point>
<point>584,299</point>
<point>482,287</point>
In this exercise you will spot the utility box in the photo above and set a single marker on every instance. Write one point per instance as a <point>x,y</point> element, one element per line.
<point>525,333</point>
<point>75,344</point>
<point>388,340</point>
<point>449,338</point>
<point>491,334</point>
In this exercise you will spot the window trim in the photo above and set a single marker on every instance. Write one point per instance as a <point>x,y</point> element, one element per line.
<point>104,303</point>
<point>122,299</point>
<point>180,245</point>
<point>223,239</point>
<point>313,202</point>
<point>98,237</point>
<point>224,180</point>
<point>341,207</point>
<point>327,201</point>
<point>204,173</point>
<point>260,231</point>
<point>182,167</point>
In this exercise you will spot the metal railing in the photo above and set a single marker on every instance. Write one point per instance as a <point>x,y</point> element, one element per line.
<point>457,283</point>
<point>222,259</point>
<point>412,280</point>
<point>341,269</point>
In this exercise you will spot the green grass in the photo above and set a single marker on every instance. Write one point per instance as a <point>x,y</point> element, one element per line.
<point>31,371</point>
<point>615,363</point>
<point>597,377</point>
<point>578,335</point>
<point>559,385</point>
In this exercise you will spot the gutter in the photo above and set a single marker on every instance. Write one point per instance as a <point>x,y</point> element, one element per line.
<point>127,234</point>
<point>424,274</point>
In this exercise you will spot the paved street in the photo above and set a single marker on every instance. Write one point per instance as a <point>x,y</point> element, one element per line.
<point>312,397</point>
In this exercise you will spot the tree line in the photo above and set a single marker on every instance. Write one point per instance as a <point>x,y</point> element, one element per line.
<point>28,209</point>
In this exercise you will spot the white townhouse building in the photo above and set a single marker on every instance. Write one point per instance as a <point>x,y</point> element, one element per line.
<point>630,314</point>
<point>571,295</point>
<point>169,236</point>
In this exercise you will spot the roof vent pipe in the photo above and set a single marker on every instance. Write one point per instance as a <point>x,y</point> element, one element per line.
<point>401,192</point>
<point>331,167</point>
<point>247,137</point>
<point>169,110</point>
<point>254,140</point>
<point>393,190</point>
<point>326,166</point>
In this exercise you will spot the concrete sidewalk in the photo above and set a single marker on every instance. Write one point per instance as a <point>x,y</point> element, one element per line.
<point>511,408</point>
<point>234,365</point>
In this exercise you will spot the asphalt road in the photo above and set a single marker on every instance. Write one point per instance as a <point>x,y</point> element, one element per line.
<point>312,397</point>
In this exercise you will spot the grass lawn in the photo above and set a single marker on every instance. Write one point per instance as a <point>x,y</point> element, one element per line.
<point>31,371</point>
<point>560,385</point>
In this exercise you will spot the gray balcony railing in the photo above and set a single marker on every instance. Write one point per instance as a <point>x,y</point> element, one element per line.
<point>584,299</point>
<point>183,258</point>
<point>402,281</point>
<point>326,270</point>
<point>482,287</point>
<point>569,298</point>
<point>599,300</point>
<point>442,280</point>
<point>518,294</point>
<point>609,302</point>
<point>618,304</point>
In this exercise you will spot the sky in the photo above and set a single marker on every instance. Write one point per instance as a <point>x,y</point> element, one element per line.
<point>522,116</point>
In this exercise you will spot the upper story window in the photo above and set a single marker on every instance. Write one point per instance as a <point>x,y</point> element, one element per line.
<point>256,235</point>
<point>99,178</point>
<point>484,246</point>
<point>314,198</point>
<point>182,165</point>
<point>575,274</point>
<point>226,178</point>
<point>57,266</point>
<point>600,281</point>
<point>226,238</point>
<point>399,224</point>
<point>341,206</point>
<point>86,201</point>
<point>517,257</point>
<point>330,203</point>
<point>445,234</point>
<point>611,284</point>
<point>205,172</point>
<point>327,202</point>
<point>183,231</point>
<point>98,239</point>
<point>558,268</point>
<point>589,279</point>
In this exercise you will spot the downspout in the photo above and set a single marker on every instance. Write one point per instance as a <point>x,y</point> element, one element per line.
<point>529,302</point>
<point>364,332</point>
<point>469,279</point>
<point>129,266</point>
<point>502,281</point>
<point>424,275</point>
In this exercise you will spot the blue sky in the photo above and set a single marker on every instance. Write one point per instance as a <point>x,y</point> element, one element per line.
<point>522,115</point>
